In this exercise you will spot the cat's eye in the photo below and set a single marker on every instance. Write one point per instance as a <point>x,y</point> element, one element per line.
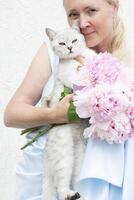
<point>74,41</point>
<point>62,43</point>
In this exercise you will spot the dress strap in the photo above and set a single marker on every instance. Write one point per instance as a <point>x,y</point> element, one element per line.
<point>54,60</point>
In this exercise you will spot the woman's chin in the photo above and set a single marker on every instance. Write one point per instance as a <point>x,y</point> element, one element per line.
<point>91,44</point>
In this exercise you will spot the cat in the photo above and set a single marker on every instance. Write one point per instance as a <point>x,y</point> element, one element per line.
<point>65,145</point>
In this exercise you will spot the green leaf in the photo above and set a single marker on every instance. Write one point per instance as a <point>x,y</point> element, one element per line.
<point>72,115</point>
<point>65,92</point>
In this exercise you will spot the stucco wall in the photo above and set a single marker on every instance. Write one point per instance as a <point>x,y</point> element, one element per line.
<point>22,24</point>
<point>22,28</point>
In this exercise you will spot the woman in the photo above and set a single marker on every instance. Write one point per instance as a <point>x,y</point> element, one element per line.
<point>106,170</point>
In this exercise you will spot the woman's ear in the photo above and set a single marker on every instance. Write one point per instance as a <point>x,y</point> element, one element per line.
<point>50,33</point>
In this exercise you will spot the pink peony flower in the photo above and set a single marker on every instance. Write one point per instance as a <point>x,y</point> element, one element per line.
<point>105,94</point>
<point>103,68</point>
<point>130,113</point>
<point>117,130</point>
<point>81,101</point>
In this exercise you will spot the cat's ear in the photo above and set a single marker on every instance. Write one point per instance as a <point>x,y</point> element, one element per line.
<point>50,33</point>
<point>75,26</point>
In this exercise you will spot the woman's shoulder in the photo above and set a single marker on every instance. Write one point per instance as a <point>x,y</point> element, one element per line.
<point>125,54</point>
<point>36,77</point>
<point>41,62</point>
<point>128,54</point>
<point>53,58</point>
<point>130,59</point>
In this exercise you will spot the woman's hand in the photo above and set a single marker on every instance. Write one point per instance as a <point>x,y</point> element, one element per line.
<point>59,110</point>
<point>81,59</point>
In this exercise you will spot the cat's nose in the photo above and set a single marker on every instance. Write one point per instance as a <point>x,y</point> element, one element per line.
<point>69,48</point>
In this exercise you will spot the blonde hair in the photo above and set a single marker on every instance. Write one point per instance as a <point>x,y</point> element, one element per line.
<point>118,28</point>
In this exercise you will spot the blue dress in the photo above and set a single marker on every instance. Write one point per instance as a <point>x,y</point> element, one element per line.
<point>106,173</point>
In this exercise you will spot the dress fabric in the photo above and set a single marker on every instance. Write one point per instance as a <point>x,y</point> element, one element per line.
<point>106,172</point>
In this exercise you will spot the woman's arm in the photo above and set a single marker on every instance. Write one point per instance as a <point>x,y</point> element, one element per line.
<point>21,111</point>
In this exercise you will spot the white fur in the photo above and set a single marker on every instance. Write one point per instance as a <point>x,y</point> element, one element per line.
<point>65,143</point>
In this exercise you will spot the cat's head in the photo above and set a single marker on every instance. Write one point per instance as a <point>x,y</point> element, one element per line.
<point>67,43</point>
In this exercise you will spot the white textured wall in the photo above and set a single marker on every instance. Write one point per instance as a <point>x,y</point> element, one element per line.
<point>22,24</point>
<point>22,27</point>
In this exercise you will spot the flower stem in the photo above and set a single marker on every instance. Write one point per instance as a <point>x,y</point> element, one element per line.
<point>29,130</point>
<point>40,133</point>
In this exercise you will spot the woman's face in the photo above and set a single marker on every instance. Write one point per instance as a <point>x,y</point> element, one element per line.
<point>95,19</point>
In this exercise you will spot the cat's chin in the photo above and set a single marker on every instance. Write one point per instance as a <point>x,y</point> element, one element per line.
<point>69,56</point>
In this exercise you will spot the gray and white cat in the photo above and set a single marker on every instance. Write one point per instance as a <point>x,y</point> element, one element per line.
<point>65,144</point>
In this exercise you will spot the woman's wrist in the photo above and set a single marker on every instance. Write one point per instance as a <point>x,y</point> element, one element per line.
<point>49,115</point>
<point>56,116</point>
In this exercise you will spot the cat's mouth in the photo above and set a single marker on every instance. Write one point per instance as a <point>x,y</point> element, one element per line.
<point>70,51</point>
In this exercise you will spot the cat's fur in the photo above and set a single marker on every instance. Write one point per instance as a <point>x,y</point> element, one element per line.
<point>65,144</point>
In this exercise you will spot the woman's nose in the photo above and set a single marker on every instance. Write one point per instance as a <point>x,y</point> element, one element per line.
<point>83,22</point>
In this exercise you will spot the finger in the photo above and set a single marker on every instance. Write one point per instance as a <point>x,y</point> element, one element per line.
<point>69,97</point>
<point>81,59</point>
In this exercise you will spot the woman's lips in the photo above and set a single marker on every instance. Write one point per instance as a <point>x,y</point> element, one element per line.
<point>87,34</point>
<point>87,31</point>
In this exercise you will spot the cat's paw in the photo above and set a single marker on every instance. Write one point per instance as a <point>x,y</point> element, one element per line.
<point>73,197</point>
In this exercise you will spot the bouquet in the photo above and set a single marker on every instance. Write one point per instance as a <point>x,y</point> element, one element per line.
<point>72,116</point>
<point>103,93</point>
